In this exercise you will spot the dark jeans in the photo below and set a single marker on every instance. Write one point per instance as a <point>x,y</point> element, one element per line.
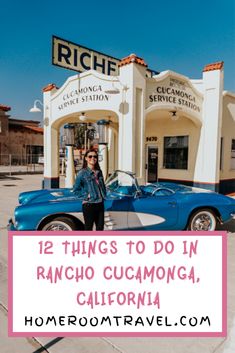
<point>93,213</point>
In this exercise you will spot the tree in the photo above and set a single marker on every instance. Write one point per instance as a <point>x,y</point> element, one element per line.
<point>79,134</point>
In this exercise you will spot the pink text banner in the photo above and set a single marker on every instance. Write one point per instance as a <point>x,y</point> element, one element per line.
<point>117,283</point>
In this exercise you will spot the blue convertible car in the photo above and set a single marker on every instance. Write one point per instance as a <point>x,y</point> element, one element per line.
<point>158,206</point>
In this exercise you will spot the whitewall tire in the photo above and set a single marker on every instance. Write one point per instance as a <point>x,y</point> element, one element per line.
<point>202,220</point>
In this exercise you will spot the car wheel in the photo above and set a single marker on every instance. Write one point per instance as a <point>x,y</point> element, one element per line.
<point>203,219</point>
<point>60,224</point>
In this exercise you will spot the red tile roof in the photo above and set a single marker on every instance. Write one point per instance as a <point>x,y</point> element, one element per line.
<point>4,108</point>
<point>132,59</point>
<point>22,122</point>
<point>215,66</point>
<point>34,128</point>
<point>49,87</point>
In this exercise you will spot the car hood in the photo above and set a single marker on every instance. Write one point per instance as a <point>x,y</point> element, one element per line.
<point>46,195</point>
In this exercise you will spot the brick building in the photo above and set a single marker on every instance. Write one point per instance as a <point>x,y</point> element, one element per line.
<point>20,139</point>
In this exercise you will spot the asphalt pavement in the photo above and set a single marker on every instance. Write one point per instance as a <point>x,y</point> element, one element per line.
<point>10,187</point>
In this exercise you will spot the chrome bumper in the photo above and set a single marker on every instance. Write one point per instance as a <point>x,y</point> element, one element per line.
<point>11,225</point>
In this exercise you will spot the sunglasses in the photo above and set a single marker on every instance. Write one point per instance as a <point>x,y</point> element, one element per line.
<point>92,156</point>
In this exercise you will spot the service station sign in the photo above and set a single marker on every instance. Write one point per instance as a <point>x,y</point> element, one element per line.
<point>176,93</point>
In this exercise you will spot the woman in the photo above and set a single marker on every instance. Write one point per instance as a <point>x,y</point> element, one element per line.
<point>90,186</point>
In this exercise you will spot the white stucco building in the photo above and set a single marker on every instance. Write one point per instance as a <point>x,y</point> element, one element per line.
<point>166,127</point>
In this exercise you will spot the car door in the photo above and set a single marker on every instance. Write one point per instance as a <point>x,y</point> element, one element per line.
<point>121,186</point>
<point>155,212</point>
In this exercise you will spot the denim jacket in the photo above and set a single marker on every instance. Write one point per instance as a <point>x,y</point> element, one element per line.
<point>87,188</point>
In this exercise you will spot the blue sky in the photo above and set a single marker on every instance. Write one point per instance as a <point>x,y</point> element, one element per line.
<point>182,36</point>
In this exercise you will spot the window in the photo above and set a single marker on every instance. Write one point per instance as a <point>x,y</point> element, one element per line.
<point>233,154</point>
<point>122,183</point>
<point>176,152</point>
<point>33,152</point>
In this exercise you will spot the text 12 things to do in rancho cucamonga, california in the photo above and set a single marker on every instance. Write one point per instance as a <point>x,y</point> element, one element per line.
<point>117,283</point>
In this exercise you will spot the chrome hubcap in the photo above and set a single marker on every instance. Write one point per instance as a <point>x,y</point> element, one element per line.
<point>202,221</point>
<point>57,226</point>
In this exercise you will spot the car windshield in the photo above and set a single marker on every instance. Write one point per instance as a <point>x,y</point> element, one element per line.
<point>122,183</point>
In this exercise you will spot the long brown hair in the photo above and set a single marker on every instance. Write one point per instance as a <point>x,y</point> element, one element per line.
<point>84,165</point>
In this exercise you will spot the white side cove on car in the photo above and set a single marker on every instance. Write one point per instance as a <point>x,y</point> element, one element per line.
<point>138,219</point>
<point>122,220</point>
<point>199,190</point>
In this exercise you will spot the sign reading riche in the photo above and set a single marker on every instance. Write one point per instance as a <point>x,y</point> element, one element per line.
<point>78,58</point>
